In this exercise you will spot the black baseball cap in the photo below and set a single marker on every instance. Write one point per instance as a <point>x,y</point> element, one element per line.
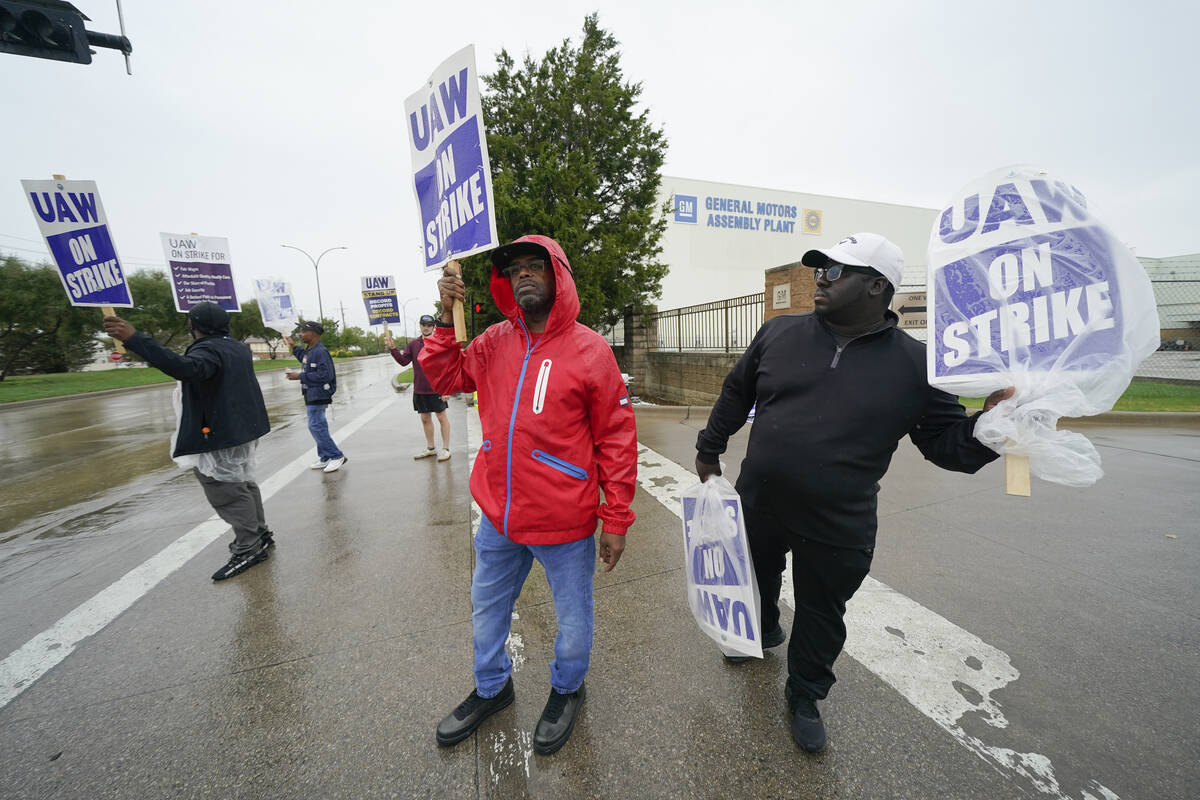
<point>315,327</point>
<point>209,318</point>
<point>502,256</point>
<point>427,319</point>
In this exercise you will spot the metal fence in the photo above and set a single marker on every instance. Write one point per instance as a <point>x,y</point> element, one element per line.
<point>725,326</point>
<point>615,335</point>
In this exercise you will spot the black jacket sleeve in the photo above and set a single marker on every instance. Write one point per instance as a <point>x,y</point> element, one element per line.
<point>198,364</point>
<point>945,435</point>
<point>738,394</point>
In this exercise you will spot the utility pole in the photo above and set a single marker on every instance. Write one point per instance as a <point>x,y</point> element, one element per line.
<point>343,307</point>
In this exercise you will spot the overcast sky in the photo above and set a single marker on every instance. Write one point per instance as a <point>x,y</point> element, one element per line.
<point>281,122</point>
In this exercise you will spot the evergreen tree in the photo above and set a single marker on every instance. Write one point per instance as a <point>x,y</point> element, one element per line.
<point>574,159</point>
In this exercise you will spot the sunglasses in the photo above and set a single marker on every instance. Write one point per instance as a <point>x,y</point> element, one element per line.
<point>835,270</point>
<point>534,266</point>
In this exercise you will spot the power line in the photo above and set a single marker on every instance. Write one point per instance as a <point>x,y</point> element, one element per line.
<point>20,238</point>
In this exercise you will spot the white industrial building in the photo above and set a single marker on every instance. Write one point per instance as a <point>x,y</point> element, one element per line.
<point>720,237</point>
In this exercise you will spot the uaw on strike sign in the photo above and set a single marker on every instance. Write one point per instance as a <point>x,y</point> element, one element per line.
<point>71,217</point>
<point>451,174</point>
<point>1029,288</point>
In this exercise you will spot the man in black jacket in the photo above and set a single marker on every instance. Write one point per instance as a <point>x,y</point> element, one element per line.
<point>836,390</point>
<point>221,415</point>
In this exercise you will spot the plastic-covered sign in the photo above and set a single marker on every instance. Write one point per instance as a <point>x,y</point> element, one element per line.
<point>1029,288</point>
<point>276,305</point>
<point>722,590</point>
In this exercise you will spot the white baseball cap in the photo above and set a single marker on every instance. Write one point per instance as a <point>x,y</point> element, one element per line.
<point>862,250</point>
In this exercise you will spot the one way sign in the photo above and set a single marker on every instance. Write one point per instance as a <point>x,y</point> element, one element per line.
<point>910,306</point>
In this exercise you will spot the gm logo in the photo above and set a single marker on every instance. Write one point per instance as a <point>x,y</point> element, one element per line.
<point>685,208</point>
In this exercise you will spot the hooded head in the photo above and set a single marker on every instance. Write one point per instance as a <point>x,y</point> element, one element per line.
<point>209,319</point>
<point>566,300</point>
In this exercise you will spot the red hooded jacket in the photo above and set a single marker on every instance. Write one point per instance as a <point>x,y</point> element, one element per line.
<point>557,424</point>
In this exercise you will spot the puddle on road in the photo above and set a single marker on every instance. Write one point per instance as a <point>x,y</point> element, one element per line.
<point>67,467</point>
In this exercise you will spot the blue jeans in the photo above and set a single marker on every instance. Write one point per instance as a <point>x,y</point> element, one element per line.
<point>319,428</point>
<point>501,567</point>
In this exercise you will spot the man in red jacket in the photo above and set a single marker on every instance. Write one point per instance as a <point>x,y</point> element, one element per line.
<point>557,428</point>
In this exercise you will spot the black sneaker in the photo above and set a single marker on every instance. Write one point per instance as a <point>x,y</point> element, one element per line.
<point>558,720</point>
<point>267,539</point>
<point>462,721</point>
<point>239,564</point>
<point>807,727</point>
<point>774,638</point>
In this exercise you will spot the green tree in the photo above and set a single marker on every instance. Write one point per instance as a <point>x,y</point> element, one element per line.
<point>248,323</point>
<point>40,331</point>
<point>575,159</point>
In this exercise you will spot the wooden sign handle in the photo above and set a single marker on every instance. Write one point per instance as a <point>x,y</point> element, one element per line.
<point>1016,475</point>
<point>109,311</point>
<point>460,320</point>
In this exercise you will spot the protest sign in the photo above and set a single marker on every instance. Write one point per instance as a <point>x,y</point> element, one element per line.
<point>200,271</point>
<point>1028,288</point>
<point>452,178</point>
<point>722,590</point>
<point>379,296</point>
<point>275,304</point>
<point>72,219</point>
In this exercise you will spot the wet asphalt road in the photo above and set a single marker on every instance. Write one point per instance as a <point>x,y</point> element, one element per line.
<point>322,672</point>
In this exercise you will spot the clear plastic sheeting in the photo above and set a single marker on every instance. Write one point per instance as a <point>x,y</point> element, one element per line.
<point>1029,288</point>
<point>229,464</point>
<point>722,590</point>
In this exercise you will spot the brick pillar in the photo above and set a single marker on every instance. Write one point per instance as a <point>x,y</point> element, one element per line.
<point>800,286</point>
<point>639,336</point>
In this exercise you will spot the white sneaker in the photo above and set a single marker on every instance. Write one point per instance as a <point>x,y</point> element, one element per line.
<point>444,455</point>
<point>335,464</point>
<point>318,464</point>
<point>424,454</point>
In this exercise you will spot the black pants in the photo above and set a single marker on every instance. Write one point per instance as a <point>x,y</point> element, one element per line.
<point>823,578</point>
<point>240,504</point>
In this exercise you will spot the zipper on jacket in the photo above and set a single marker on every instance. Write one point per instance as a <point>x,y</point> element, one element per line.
<point>565,467</point>
<point>539,391</point>
<point>837,356</point>
<point>512,421</point>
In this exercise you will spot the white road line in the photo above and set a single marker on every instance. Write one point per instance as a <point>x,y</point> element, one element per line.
<point>41,653</point>
<point>947,673</point>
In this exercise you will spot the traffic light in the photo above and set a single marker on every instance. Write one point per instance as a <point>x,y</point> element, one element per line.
<point>51,29</point>
<point>477,308</point>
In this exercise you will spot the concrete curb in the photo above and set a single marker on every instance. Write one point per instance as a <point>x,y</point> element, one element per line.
<point>1161,419</point>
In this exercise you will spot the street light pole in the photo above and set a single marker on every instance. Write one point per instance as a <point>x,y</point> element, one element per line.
<point>404,313</point>
<point>316,264</point>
